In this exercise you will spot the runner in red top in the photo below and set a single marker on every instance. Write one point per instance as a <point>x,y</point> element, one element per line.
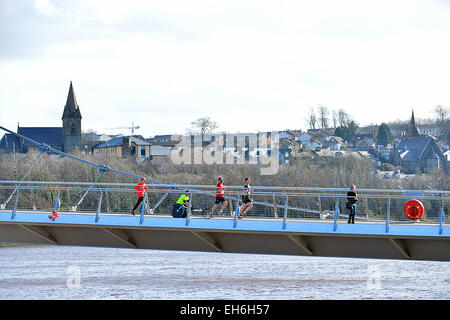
<point>141,187</point>
<point>220,198</point>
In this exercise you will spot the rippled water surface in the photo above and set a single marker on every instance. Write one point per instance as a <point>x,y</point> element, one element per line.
<point>107,273</point>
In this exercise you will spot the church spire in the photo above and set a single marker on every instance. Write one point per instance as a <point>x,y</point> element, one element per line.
<point>71,109</point>
<point>412,130</point>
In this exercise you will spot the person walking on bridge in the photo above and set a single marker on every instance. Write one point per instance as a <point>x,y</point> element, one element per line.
<point>220,196</point>
<point>351,203</point>
<point>141,188</point>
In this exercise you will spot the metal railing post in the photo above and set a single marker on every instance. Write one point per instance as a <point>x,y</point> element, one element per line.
<point>319,200</point>
<point>236,212</point>
<point>336,214</point>
<point>99,206</point>
<point>188,215</point>
<point>143,208</point>
<point>57,202</point>
<point>285,212</point>
<point>13,215</point>
<point>388,214</point>
<point>275,213</point>
<point>441,217</point>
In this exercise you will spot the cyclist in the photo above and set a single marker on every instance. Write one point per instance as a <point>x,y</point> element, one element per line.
<point>179,210</point>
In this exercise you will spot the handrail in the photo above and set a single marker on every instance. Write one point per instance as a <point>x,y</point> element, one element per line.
<point>255,188</point>
<point>213,193</point>
<point>289,199</point>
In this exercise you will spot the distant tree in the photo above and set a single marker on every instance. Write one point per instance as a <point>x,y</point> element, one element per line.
<point>203,126</point>
<point>441,113</point>
<point>384,135</point>
<point>342,132</point>
<point>347,130</point>
<point>335,119</point>
<point>353,126</point>
<point>311,120</point>
<point>323,116</point>
<point>343,118</point>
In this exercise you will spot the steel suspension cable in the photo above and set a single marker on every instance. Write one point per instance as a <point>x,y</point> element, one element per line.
<point>3,205</point>
<point>48,148</point>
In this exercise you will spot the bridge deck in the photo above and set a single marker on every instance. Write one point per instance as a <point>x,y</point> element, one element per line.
<point>221,234</point>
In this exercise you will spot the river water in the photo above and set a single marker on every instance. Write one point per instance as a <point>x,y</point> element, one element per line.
<point>63,272</point>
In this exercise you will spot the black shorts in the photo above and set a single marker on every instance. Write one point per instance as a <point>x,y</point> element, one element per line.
<point>246,199</point>
<point>220,199</point>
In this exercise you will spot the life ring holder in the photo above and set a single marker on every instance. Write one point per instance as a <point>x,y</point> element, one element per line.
<point>414,209</point>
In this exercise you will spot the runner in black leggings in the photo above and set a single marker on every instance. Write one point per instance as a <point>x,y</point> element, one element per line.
<point>141,187</point>
<point>247,201</point>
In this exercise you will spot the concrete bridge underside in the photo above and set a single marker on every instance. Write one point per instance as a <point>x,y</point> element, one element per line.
<point>262,236</point>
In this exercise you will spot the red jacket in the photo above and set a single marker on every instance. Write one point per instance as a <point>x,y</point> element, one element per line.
<point>220,190</point>
<point>141,187</point>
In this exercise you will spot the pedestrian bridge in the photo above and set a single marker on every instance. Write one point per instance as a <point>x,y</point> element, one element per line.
<point>291,221</point>
<point>284,220</point>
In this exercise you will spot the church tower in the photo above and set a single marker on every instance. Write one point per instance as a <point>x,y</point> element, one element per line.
<point>71,123</point>
<point>412,130</point>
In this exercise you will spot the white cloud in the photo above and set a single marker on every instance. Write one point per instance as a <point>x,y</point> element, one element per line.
<point>249,65</point>
<point>45,7</point>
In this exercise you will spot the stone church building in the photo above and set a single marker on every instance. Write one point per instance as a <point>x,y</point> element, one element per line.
<point>419,153</point>
<point>66,138</point>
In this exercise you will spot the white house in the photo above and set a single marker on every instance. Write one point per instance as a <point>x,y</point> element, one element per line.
<point>309,142</point>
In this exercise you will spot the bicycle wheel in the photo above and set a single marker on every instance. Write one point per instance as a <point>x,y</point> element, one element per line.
<point>178,211</point>
<point>207,214</point>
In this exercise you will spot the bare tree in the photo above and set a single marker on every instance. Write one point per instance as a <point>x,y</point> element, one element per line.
<point>344,118</point>
<point>441,113</point>
<point>311,119</point>
<point>335,119</point>
<point>442,120</point>
<point>203,126</point>
<point>323,116</point>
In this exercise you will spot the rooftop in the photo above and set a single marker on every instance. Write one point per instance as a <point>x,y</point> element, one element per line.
<point>52,136</point>
<point>119,141</point>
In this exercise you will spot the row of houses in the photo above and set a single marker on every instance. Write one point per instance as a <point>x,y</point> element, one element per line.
<point>414,148</point>
<point>240,146</point>
<point>414,152</point>
<point>134,146</point>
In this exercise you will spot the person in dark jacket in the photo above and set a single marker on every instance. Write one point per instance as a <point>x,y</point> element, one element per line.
<point>351,203</point>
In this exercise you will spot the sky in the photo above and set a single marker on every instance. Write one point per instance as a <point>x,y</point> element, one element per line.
<point>248,65</point>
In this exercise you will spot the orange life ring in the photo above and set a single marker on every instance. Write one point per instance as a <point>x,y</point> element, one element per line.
<point>54,215</point>
<point>414,209</point>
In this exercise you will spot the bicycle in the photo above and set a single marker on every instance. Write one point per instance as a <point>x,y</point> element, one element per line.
<point>206,213</point>
<point>179,211</point>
